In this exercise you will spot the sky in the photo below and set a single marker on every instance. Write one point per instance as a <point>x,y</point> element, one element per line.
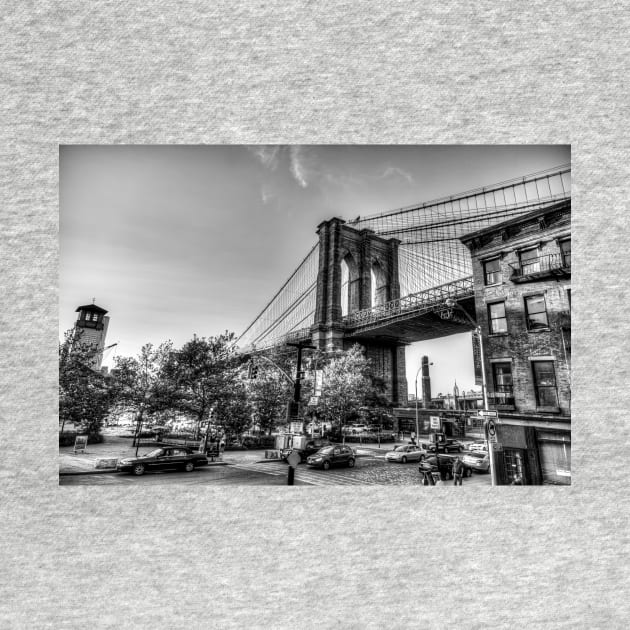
<point>181,240</point>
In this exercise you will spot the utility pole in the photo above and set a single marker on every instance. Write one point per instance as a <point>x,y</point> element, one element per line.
<point>297,388</point>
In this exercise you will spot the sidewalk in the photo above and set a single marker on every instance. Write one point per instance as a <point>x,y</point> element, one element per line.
<point>101,458</point>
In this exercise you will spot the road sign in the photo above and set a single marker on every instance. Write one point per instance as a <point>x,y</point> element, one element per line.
<point>80,442</point>
<point>492,429</point>
<point>435,422</point>
<point>294,459</point>
<point>319,382</point>
<point>488,414</point>
<point>496,446</point>
<point>313,401</point>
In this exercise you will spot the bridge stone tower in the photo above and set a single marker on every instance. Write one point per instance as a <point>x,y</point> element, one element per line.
<point>358,270</point>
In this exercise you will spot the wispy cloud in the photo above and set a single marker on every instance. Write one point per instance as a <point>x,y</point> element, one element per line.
<point>299,162</point>
<point>298,165</point>
<point>267,154</point>
<point>393,172</point>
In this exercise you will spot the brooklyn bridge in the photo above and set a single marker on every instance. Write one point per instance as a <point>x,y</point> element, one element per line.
<point>383,280</point>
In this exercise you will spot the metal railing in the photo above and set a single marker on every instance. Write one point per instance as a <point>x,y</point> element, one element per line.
<point>541,265</point>
<point>416,303</point>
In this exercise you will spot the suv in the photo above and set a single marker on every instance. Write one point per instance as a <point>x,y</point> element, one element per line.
<point>333,455</point>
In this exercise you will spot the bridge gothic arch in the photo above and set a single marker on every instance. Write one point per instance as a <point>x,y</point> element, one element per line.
<point>357,270</point>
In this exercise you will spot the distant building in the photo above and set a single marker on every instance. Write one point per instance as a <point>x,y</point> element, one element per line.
<point>91,328</point>
<point>522,277</point>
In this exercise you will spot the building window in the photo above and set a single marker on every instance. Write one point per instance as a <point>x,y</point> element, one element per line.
<point>545,383</point>
<point>565,250</point>
<point>515,466</point>
<point>536,312</point>
<point>492,271</point>
<point>555,458</point>
<point>529,260</point>
<point>497,318</point>
<point>503,389</point>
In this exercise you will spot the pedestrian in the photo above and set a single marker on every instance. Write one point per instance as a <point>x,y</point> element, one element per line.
<point>458,471</point>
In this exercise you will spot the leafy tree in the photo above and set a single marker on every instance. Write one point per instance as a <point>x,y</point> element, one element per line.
<point>204,375</point>
<point>270,391</point>
<point>84,394</point>
<point>140,383</point>
<point>347,386</point>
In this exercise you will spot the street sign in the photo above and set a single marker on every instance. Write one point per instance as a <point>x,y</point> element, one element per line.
<point>435,422</point>
<point>319,381</point>
<point>496,446</point>
<point>293,459</point>
<point>313,401</point>
<point>492,429</point>
<point>488,414</point>
<point>80,442</point>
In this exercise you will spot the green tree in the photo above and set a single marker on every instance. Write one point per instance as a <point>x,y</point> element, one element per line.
<point>204,375</point>
<point>84,394</point>
<point>141,384</point>
<point>347,386</point>
<point>268,395</point>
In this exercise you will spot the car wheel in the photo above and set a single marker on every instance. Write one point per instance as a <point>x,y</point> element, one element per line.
<point>138,469</point>
<point>326,465</point>
<point>351,463</point>
<point>189,466</point>
<point>404,460</point>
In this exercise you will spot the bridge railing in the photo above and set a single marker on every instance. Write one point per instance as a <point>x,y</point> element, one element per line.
<point>427,300</point>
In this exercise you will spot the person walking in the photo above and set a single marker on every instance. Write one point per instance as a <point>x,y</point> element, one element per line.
<point>458,471</point>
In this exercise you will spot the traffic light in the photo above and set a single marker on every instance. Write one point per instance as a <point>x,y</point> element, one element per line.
<point>252,371</point>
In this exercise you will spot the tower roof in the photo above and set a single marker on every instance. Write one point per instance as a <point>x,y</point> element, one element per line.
<point>92,308</point>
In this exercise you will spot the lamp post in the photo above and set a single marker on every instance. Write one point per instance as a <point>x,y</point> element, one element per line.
<point>452,304</point>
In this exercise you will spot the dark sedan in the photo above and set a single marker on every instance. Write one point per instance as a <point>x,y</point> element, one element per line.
<point>335,455</point>
<point>166,458</point>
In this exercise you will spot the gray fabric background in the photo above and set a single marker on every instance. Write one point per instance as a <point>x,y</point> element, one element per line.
<point>304,72</point>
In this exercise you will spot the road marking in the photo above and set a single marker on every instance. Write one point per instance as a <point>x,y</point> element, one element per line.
<point>306,475</point>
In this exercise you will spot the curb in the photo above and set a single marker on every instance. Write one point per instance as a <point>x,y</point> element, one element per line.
<point>104,471</point>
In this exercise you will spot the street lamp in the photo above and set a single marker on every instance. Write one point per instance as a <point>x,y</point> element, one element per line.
<point>452,304</point>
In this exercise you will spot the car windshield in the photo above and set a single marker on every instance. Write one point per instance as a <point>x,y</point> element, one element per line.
<point>400,448</point>
<point>154,453</point>
<point>325,451</point>
<point>477,455</point>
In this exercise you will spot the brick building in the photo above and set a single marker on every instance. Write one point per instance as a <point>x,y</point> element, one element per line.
<point>522,277</point>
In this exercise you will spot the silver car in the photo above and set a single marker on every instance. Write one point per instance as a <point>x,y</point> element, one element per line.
<point>406,453</point>
<point>477,460</point>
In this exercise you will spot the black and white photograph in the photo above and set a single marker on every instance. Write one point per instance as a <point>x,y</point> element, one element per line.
<point>315,315</point>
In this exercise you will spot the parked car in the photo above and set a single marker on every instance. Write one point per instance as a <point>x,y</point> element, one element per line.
<point>175,457</point>
<point>334,455</point>
<point>478,445</point>
<point>312,446</point>
<point>450,446</point>
<point>477,460</point>
<point>406,453</point>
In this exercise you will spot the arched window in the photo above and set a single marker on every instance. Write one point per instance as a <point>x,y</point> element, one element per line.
<point>378,285</point>
<point>349,286</point>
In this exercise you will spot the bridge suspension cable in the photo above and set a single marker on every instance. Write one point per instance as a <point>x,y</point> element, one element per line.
<point>430,253</point>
